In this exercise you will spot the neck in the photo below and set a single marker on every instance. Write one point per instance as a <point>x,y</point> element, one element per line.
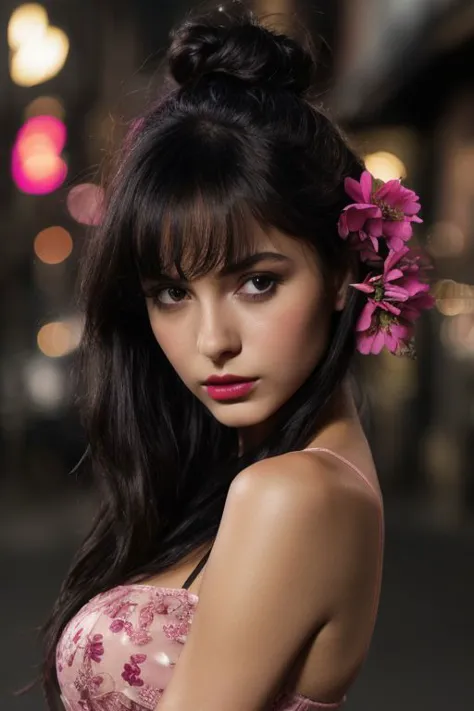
<point>338,416</point>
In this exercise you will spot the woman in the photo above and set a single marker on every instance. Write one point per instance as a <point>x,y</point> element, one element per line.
<point>240,530</point>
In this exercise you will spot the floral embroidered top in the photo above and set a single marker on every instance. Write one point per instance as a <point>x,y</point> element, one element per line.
<point>119,651</point>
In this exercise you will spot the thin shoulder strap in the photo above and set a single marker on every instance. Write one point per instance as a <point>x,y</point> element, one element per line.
<point>381,519</point>
<point>348,463</point>
<point>197,570</point>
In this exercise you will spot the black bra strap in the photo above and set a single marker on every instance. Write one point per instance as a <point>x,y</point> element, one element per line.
<point>197,570</point>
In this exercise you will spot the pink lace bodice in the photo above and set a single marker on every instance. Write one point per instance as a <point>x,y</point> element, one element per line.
<point>119,651</point>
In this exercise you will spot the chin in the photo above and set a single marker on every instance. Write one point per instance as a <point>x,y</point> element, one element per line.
<point>241,414</point>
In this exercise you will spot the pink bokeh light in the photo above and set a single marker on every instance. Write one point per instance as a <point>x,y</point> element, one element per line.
<point>85,203</point>
<point>37,166</point>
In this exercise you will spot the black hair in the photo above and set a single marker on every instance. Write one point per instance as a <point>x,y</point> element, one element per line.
<point>236,138</point>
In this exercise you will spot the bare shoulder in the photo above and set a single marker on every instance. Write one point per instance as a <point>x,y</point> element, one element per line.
<point>307,483</point>
<point>300,518</point>
<point>289,524</point>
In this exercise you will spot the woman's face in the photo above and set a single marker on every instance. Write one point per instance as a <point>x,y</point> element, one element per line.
<point>267,322</point>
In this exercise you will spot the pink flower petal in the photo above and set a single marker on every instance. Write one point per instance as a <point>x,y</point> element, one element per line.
<point>393,275</point>
<point>366,185</point>
<point>390,308</point>
<point>342,226</point>
<point>393,292</point>
<point>390,188</point>
<point>414,287</point>
<point>375,226</point>
<point>366,288</point>
<point>411,208</point>
<point>365,318</point>
<point>353,189</point>
<point>356,217</point>
<point>395,243</point>
<point>364,343</point>
<point>394,256</point>
<point>378,342</point>
<point>391,341</point>
<point>400,229</point>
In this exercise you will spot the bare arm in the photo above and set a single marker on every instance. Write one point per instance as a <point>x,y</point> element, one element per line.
<point>281,531</point>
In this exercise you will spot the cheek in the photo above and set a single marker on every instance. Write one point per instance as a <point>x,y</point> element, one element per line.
<point>171,341</point>
<point>296,334</point>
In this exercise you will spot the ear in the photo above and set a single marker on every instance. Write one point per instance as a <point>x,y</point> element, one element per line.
<point>342,290</point>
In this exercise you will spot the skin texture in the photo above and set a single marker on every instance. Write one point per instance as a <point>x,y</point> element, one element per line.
<point>213,327</point>
<point>293,578</point>
<point>297,558</point>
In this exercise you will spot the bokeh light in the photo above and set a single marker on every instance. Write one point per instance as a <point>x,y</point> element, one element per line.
<point>45,106</point>
<point>454,298</point>
<point>457,334</point>
<point>27,24</point>
<point>37,166</point>
<point>46,129</point>
<point>58,338</point>
<point>38,50</point>
<point>53,245</point>
<point>385,166</point>
<point>446,239</point>
<point>85,203</point>
<point>45,382</point>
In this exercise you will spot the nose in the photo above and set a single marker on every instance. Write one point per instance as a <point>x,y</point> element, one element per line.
<point>218,335</point>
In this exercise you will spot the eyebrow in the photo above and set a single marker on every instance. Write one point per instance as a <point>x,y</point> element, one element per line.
<point>245,263</point>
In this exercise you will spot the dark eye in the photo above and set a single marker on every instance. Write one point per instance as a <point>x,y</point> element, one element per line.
<point>174,292</point>
<point>263,285</point>
<point>262,282</point>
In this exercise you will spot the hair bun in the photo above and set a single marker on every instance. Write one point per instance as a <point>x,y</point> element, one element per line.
<point>241,48</point>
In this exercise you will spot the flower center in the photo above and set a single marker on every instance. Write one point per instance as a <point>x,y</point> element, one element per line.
<point>388,211</point>
<point>386,319</point>
<point>379,292</point>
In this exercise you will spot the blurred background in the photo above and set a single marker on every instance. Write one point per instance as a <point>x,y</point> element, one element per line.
<point>399,75</point>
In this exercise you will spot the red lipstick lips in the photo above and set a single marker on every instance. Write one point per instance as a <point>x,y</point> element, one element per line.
<point>228,387</point>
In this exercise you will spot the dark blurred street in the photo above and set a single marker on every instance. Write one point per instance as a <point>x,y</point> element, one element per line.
<point>423,649</point>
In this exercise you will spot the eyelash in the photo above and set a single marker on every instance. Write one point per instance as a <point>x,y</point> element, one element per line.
<point>275,280</point>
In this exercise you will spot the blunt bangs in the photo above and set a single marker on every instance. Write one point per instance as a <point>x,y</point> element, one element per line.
<point>196,199</point>
<point>193,237</point>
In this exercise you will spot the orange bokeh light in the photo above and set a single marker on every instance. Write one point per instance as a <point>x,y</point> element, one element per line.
<point>53,245</point>
<point>56,339</point>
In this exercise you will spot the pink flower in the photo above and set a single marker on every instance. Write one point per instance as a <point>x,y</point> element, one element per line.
<point>138,658</point>
<point>396,300</point>
<point>363,221</point>
<point>177,631</point>
<point>367,251</point>
<point>398,206</point>
<point>95,648</point>
<point>117,626</point>
<point>131,672</point>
